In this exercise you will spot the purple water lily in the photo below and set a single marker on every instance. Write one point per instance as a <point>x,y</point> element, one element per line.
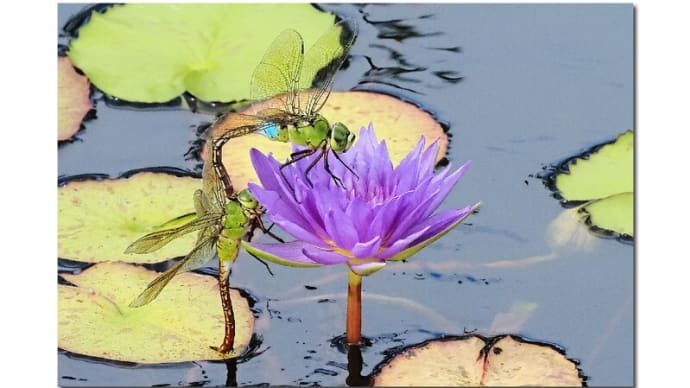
<point>384,213</point>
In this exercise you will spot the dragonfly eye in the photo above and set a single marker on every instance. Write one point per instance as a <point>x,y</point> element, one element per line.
<point>247,199</point>
<point>341,138</point>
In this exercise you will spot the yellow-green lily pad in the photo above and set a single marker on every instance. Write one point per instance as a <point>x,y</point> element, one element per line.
<point>603,179</point>
<point>154,52</point>
<point>99,219</point>
<point>400,123</point>
<point>478,361</point>
<point>614,213</point>
<point>94,318</point>
<point>73,99</point>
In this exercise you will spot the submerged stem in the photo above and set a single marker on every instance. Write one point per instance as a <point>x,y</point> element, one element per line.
<point>354,308</point>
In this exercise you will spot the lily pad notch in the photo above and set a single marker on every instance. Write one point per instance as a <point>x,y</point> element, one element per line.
<point>475,360</point>
<point>599,184</point>
<point>127,52</point>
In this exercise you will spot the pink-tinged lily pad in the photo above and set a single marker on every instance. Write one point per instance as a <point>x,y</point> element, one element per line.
<point>399,123</point>
<point>73,99</point>
<point>94,317</point>
<point>99,219</point>
<point>477,361</point>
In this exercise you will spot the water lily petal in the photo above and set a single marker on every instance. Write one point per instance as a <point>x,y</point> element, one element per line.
<point>324,256</point>
<point>439,222</point>
<point>412,216</point>
<point>445,184</point>
<point>361,215</point>
<point>340,229</point>
<point>367,249</point>
<point>366,269</point>
<point>266,168</point>
<point>296,231</point>
<point>309,210</point>
<point>408,170</point>
<point>401,244</point>
<point>428,159</point>
<point>404,254</point>
<point>289,254</point>
<point>271,176</point>
<point>283,213</point>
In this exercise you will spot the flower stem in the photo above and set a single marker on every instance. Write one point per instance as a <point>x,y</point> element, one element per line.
<point>354,308</point>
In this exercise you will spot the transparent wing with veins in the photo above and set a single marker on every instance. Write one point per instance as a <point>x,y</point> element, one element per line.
<point>277,75</point>
<point>322,61</point>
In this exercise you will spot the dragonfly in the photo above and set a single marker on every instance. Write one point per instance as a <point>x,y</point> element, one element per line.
<point>301,83</point>
<point>222,222</point>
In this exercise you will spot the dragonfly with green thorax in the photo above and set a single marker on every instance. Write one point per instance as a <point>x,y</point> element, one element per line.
<point>301,83</point>
<point>221,223</point>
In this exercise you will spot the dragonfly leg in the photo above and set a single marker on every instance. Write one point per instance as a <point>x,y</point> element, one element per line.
<point>294,158</point>
<point>267,231</point>
<point>223,277</point>
<point>345,164</point>
<point>337,180</point>
<point>310,167</point>
<point>262,262</point>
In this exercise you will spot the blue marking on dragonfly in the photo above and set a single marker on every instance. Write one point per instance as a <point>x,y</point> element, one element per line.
<point>269,130</point>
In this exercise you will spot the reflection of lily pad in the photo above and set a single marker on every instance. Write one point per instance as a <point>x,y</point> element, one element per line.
<point>154,52</point>
<point>73,99</point>
<point>603,179</point>
<point>94,318</point>
<point>476,361</point>
<point>98,219</point>
<point>398,122</point>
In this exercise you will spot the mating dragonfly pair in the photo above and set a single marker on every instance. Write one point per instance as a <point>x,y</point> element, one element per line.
<point>224,217</point>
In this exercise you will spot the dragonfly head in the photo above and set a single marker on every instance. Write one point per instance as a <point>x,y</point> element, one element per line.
<point>341,138</point>
<point>247,199</point>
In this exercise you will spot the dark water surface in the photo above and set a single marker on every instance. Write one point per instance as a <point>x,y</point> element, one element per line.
<point>520,87</point>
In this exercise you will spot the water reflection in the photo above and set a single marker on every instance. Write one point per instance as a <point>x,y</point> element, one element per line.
<point>231,380</point>
<point>355,363</point>
<point>397,30</point>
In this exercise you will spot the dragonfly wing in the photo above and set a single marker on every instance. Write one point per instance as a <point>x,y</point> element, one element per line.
<point>279,70</point>
<point>322,61</point>
<point>178,221</point>
<point>156,240</point>
<point>196,258</point>
<point>234,120</point>
<point>214,191</point>
<point>201,203</point>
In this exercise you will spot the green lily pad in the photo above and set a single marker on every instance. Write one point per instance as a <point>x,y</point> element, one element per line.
<point>154,52</point>
<point>73,99</point>
<point>180,325</point>
<point>400,123</point>
<point>614,213</point>
<point>603,179</point>
<point>98,219</point>
<point>478,361</point>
